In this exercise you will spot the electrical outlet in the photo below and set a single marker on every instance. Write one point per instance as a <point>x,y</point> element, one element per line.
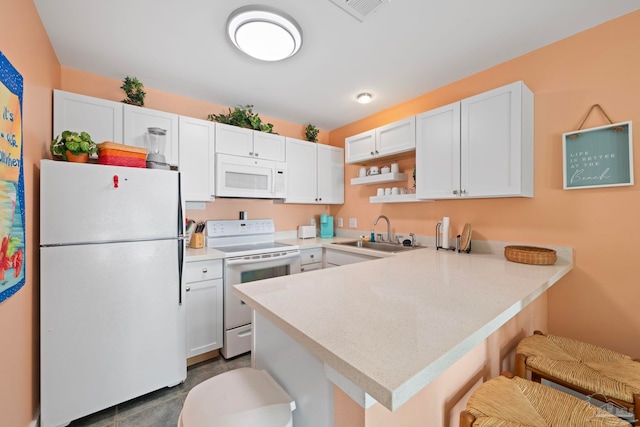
<point>340,222</point>
<point>353,223</point>
<point>313,222</point>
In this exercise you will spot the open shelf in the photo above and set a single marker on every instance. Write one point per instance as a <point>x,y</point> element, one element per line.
<point>380,178</point>
<point>400,198</point>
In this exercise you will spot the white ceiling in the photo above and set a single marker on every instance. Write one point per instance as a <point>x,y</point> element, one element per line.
<point>405,49</point>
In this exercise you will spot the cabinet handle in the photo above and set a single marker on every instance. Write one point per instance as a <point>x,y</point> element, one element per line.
<point>455,191</point>
<point>204,270</point>
<point>372,153</point>
<point>301,269</point>
<point>320,199</point>
<point>188,288</point>
<point>377,153</point>
<point>255,154</point>
<point>463,191</point>
<point>311,255</point>
<point>251,153</point>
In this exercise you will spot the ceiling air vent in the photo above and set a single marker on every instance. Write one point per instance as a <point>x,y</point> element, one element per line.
<point>360,9</point>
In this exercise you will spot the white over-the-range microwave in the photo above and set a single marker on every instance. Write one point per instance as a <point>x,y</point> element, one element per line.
<point>248,177</point>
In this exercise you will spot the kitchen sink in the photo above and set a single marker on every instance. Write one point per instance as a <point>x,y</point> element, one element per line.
<point>378,246</point>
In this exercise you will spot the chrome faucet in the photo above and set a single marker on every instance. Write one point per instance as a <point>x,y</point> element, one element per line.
<point>388,226</point>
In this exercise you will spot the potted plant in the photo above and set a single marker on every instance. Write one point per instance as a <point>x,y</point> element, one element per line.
<point>311,133</point>
<point>244,117</point>
<point>134,90</point>
<point>73,147</point>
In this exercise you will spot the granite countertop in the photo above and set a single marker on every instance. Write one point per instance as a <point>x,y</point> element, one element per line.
<point>393,324</point>
<point>202,254</point>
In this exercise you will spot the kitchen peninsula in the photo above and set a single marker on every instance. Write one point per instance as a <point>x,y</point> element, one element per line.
<point>387,331</point>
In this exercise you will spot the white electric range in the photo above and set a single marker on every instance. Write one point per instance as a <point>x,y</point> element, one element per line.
<point>250,253</point>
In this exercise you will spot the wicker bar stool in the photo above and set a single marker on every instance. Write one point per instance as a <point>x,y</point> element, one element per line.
<point>588,369</point>
<point>510,401</point>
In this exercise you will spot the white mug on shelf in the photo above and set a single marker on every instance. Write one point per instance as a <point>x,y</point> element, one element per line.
<point>387,191</point>
<point>395,168</point>
<point>385,169</point>
<point>362,172</point>
<point>395,191</point>
<point>380,192</point>
<point>374,170</point>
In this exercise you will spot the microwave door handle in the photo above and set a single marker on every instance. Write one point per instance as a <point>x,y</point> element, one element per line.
<point>241,261</point>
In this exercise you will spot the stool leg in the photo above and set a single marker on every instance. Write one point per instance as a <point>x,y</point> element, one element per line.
<point>536,378</point>
<point>466,419</point>
<point>520,369</point>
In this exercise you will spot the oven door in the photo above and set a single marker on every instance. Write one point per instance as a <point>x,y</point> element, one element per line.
<point>247,269</point>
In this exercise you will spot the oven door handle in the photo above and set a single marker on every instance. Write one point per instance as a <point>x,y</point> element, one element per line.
<point>243,260</point>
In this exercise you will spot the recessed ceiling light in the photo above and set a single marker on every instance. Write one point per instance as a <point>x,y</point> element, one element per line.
<point>264,33</point>
<point>364,98</point>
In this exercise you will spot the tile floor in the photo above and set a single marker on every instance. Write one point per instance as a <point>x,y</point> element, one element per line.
<point>161,408</point>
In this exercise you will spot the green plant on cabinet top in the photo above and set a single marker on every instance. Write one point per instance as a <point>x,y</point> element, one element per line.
<point>311,133</point>
<point>134,90</point>
<point>74,143</point>
<point>244,117</point>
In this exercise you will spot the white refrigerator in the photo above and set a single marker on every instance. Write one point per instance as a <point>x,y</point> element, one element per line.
<point>112,322</point>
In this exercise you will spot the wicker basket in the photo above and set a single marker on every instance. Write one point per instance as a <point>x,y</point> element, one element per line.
<point>530,255</point>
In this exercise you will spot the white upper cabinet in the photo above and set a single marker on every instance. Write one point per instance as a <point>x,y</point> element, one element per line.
<point>330,174</point>
<point>479,147</point>
<point>239,141</point>
<point>397,137</point>
<point>315,173</point>
<point>138,119</point>
<point>302,172</point>
<point>100,118</point>
<point>438,153</point>
<point>197,162</point>
<point>394,138</point>
<point>360,147</point>
<point>269,146</point>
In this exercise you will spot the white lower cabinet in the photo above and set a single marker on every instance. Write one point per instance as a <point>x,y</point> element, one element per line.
<point>315,173</point>
<point>481,146</point>
<point>310,259</point>
<point>335,258</point>
<point>203,282</point>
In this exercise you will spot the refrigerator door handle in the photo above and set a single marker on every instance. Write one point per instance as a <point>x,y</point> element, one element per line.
<point>180,240</point>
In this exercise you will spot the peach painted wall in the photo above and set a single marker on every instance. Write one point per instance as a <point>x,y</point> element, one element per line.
<point>440,403</point>
<point>26,45</point>
<point>597,301</point>
<point>287,217</point>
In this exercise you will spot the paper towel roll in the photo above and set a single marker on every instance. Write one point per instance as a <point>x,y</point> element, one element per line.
<point>445,232</point>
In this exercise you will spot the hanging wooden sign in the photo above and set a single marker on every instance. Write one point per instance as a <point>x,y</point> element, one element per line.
<point>598,157</point>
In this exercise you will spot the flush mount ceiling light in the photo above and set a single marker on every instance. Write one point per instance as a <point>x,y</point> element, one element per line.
<point>364,98</point>
<point>264,33</point>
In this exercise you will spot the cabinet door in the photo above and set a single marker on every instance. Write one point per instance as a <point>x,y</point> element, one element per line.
<point>491,143</point>
<point>138,119</point>
<point>330,174</point>
<point>360,147</point>
<point>438,153</point>
<point>268,146</point>
<point>100,118</point>
<point>396,137</point>
<point>302,175</point>
<point>234,140</point>
<point>204,316</point>
<point>197,144</point>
